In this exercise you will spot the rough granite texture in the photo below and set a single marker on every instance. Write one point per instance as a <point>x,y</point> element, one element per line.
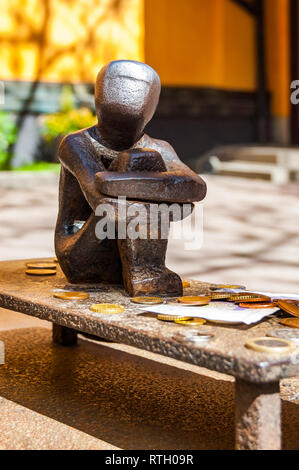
<point>226,353</point>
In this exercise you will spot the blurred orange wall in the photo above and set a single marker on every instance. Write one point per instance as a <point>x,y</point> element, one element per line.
<point>208,43</point>
<point>201,43</point>
<point>67,40</point>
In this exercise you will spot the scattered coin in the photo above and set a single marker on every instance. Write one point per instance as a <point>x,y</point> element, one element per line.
<point>289,301</point>
<point>220,296</point>
<point>41,265</point>
<point>270,345</point>
<point>291,322</point>
<point>172,318</point>
<point>107,308</point>
<point>260,299</point>
<point>196,338</point>
<point>288,307</point>
<point>191,322</point>
<point>226,286</point>
<point>41,272</point>
<point>195,300</point>
<point>147,300</point>
<point>285,333</point>
<point>186,284</point>
<point>257,305</point>
<point>244,296</point>
<point>71,295</point>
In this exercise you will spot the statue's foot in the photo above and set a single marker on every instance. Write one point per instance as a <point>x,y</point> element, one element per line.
<point>156,282</point>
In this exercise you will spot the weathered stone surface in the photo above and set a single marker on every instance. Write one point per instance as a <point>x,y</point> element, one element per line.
<point>225,353</point>
<point>2,354</point>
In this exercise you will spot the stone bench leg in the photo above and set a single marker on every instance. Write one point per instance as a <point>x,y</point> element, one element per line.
<point>63,335</point>
<point>258,424</point>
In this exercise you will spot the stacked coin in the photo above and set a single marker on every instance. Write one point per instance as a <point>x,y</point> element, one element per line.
<point>172,318</point>
<point>107,308</point>
<point>41,268</point>
<point>71,295</point>
<point>147,300</point>
<point>288,307</point>
<point>195,300</point>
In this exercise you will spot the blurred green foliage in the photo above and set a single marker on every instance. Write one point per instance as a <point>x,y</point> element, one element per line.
<point>40,166</point>
<point>8,136</point>
<point>64,122</point>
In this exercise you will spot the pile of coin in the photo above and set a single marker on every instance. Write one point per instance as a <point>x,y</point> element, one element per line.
<point>41,268</point>
<point>225,292</point>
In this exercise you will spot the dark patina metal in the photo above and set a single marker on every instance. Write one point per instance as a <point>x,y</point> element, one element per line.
<point>115,158</point>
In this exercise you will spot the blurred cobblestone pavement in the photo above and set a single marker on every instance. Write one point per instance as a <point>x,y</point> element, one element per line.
<point>108,396</point>
<point>251,232</point>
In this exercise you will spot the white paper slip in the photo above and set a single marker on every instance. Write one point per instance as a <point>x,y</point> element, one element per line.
<point>216,311</point>
<point>279,296</point>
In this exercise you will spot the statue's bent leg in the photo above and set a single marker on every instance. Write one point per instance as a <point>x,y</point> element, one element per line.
<point>143,267</point>
<point>86,259</point>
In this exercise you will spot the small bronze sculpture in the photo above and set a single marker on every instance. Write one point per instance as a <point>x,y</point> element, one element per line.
<point>115,158</point>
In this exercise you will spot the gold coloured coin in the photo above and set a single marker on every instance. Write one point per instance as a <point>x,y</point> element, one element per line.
<point>226,286</point>
<point>107,308</point>
<point>257,305</point>
<point>186,284</point>
<point>270,345</point>
<point>291,322</point>
<point>253,300</point>
<point>41,272</point>
<point>41,265</point>
<point>288,307</point>
<point>172,318</point>
<point>244,296</point>
<point>71,295</point>
<point>195,300</point>
<point>220,296</point>
<point>147,300</point>
<point>191,322</point>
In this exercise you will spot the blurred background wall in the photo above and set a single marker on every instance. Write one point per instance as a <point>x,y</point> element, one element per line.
<point>225,67</point>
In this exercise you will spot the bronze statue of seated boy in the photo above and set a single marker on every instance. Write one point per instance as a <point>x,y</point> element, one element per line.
<point>115,158</point>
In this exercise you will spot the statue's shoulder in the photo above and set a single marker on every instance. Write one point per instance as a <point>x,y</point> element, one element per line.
<point>77,138</point>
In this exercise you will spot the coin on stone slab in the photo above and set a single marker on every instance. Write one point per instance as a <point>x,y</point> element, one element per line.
<point>107,308</point>
<point>259,299</point>
<point>41,265</point>
<point>147,300</point>
<point>226,286</point>
<point>291,322</point>
<point>194,300</point>
<point>195,338</point>
<point>41,272</point>
<point>257,305</point>
<point>172,318</point>
<point>71,295</point>
<point>270,345</point>
<point>186,284</point>
<point>220,296</point>
<point>288,307</point>
<point>191,322</point>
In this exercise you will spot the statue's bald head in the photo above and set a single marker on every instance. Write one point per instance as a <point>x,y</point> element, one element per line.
<point>126,96</point>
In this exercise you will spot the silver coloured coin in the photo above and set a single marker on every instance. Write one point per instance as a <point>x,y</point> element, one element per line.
<point>195,338</point>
